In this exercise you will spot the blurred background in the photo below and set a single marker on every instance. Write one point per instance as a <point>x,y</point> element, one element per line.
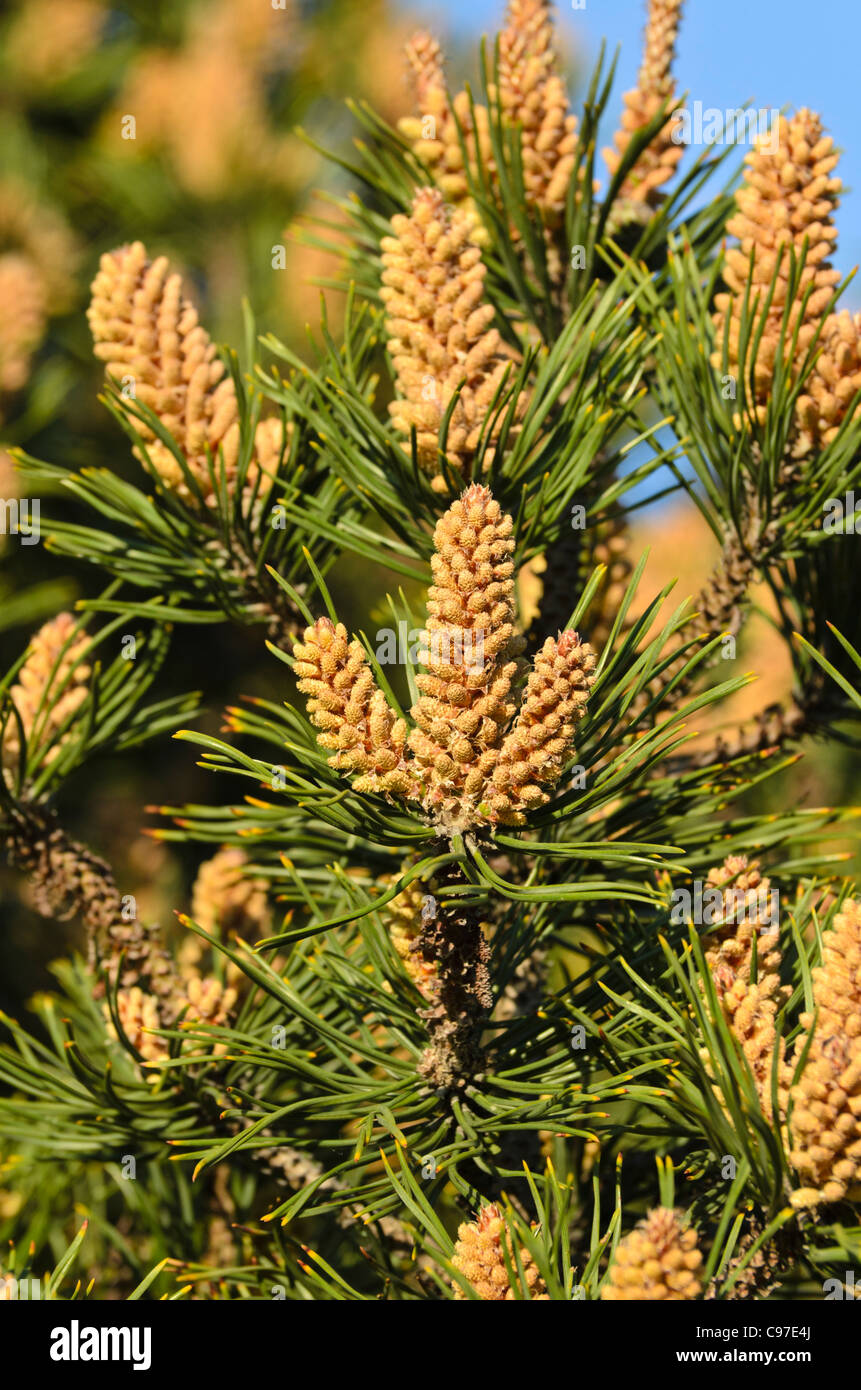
<point>174,122</point>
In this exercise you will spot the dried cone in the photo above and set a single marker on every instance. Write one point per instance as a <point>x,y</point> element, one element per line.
<point>566,565</point>
<point>610,549</point>
<point>434,133</point>
<point>547,585</point>
<point>453,939</point>
<point>532,95</point>
<point>788,194</point>
<point>833,382</point>
<point>656,1262</point>
<point>65,878</point>
<point>719,602</point>
<point>52,684</point>
<point>655,88</point>
<point>534,752</point>
<point>351,712</point>
<point>762,1272</point>
<point>825,1124</point>
<point>440,334</point>
<point>478,1256</point>
<point>718,611</point>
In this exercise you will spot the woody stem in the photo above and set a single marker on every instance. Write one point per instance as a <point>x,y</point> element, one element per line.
<point>452,941</point>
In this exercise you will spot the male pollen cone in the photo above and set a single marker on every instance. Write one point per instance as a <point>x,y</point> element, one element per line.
<point>146,329</point>
<point>475,754</point>
<point>143,327</point>
<point>788,197</point>
<point>478,1256</point>
<point>655,87</point>
<point>351,712</point>
<point>436,130</point>
<point>656,1262</point>
<point>532,94</point>
<point>825,1123</point>
<point>441,337</point>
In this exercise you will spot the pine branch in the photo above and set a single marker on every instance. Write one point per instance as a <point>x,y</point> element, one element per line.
<point>452,946</point>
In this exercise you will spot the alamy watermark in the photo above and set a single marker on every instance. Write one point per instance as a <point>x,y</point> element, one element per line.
<point>11,511</point>
<point>840,1289</point>
<point>699,125</point>
<point>842,515</point>
<point>706,905</point>
<point>77,1343</point>
<point>13,1290</point>
<point>462,648</point>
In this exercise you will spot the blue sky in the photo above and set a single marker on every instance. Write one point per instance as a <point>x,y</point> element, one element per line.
<point>772,52</point>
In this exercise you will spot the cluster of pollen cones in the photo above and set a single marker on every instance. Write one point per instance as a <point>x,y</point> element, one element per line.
<point>819,1110</point>
<point>475,754</point>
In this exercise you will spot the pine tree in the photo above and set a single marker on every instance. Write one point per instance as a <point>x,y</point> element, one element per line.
<point>488,987</point>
